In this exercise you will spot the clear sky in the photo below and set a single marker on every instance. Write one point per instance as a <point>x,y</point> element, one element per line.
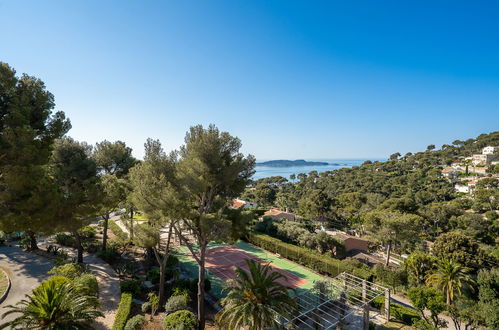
<point>292,79</point>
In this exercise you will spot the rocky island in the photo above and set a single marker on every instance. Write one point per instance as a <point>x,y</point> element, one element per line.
<point>290,163</point>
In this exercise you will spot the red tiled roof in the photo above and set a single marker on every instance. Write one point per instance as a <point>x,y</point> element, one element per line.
<point>237,203</point>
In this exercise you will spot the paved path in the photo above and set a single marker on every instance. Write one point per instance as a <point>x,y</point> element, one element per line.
<point>109,286</point>
<point>26,272</point>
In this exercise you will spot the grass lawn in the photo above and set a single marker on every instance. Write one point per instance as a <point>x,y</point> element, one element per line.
<point>3,282</point>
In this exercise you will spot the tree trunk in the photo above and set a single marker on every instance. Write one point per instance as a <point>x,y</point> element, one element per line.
<point>131,223</point>
<point>32,240</point>
<point>388,251</point>
<point>201,268</point>
<point>162,267</point>
<point>104,236</point>
<point>79,248</point>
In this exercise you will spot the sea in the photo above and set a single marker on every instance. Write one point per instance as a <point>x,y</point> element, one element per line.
<point>334,164</point>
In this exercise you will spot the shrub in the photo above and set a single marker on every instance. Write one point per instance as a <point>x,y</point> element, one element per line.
<point>91,247</point>
<point>65,239</point>
<point>109,255</point>
<point>175,303</point>
<point>180,320</point>
<point>25,243</point>
<point>132,286</point>
<point>193,288</point>
<point>59,280</point>
<point>123,311</point>
<point>135,323</point>
<point>70,271</point>
<point>87,232</point>
<point>307,257</point>
<point>87,284</point>
<point>117,230</point>
<point>403,314</point>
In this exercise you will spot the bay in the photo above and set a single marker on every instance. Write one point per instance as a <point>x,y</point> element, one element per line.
<point>334,164</point>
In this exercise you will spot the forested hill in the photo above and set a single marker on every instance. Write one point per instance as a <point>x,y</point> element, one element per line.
<point>410,183</point>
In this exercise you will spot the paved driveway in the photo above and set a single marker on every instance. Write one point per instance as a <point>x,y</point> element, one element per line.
<point>26,272</point>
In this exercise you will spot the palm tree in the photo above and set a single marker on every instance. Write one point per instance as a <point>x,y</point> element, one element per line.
<point>450,277</point>
<point>256,299</point>
<point>54,305</point>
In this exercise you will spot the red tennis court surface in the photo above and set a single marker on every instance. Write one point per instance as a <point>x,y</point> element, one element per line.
<point>223,260</point>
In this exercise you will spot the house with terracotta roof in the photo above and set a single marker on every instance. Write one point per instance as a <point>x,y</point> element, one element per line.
<point>352,243</point>
<point>238,203</point>
<point>278,214</point>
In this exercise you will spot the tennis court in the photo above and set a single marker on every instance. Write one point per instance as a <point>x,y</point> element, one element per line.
<point>222,262</point>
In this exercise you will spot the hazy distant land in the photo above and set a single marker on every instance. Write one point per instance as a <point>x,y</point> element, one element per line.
<point>290,163</point>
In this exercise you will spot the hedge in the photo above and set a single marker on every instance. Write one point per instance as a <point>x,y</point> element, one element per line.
<point>123,311</point>
<point>307,257</point>
<point>401,313</point>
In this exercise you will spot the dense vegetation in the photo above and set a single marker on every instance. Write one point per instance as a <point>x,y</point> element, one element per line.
<point>51,184</point>
<point>404,205</point>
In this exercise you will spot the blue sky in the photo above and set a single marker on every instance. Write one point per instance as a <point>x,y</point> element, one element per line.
<point>292,79</point>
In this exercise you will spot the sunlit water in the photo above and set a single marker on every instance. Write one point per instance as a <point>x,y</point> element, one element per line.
<point>266,171</point>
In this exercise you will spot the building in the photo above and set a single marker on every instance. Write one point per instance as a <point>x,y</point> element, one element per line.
<point>489,150</point>
<point>278,214</point>
<point>352,243</point>
<point>238,203</point>
<point>450,173</point>
<point>483,159</point>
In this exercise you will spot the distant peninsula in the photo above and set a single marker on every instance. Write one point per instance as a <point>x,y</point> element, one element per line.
<point>290,163</point>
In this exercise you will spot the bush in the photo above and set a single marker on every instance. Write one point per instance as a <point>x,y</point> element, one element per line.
<point>25,243</point>
<point>180,320</point>
<point>132,286</point>
<point>87,232</point>
<point>403,314</point>
<point>175,303</point>
<point>58,280</point>
<point>71,271</point>
<point>194,286</point>
<point>65,239</point>
<point>309,258</point>
<point>117,230</point>
<point>123,311</point>
<point>91,247</point>
<point>135,323</point>
<point>109,255</point>
<point>87,284</point>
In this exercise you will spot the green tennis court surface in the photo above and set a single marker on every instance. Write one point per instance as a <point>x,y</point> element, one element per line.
<point>218,285</point>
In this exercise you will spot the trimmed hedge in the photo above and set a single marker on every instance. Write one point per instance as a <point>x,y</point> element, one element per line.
<point>123,311</point>
<point>401,313</point>
<point>307,257</point>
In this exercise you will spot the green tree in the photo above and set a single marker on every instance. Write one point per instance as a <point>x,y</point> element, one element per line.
<point>114,160</point>
<point>114,192</point>
<point>450,277</point>
<point>75,173</point>
<point>488,294</point>
<point>28,129</point>
<point>155,192</point>
<point>264,194</point>
<point>316,205</point>
<point>428,299</point>
<point>458,247</point>
<point>256,299</point>
<point>212,172</point>
<point>392,227</point>
<point>54,305</point>
<point>419,265</point>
